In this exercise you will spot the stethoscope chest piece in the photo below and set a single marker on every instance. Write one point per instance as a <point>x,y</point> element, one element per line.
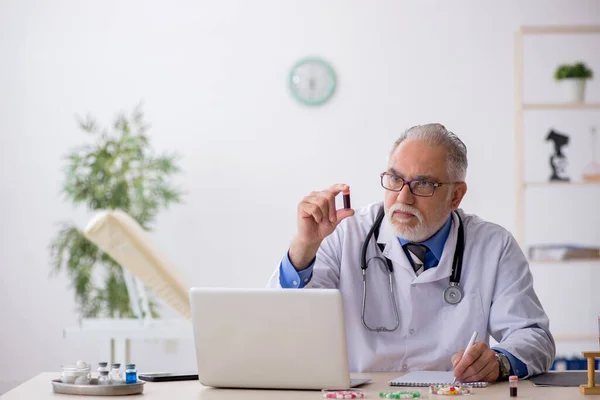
<point>453,294</point>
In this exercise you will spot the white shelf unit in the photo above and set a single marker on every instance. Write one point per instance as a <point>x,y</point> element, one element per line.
<point>521,107</point>
<point>575,339</point>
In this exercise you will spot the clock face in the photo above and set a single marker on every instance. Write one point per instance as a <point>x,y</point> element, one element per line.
<point>312,81</point>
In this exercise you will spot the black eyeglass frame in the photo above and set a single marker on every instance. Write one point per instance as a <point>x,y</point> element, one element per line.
<point>434,185</point>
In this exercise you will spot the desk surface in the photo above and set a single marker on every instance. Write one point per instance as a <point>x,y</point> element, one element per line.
<point>40,388</point>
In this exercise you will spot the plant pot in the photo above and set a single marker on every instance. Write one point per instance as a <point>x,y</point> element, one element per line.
<point>573,89</point>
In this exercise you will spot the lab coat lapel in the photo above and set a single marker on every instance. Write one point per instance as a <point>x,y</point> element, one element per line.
<point>444,268</point>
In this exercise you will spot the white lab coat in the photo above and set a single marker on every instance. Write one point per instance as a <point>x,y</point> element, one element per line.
<point>499,299</point>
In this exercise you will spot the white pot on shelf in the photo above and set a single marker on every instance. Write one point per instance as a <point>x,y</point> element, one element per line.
<point>573,89</point>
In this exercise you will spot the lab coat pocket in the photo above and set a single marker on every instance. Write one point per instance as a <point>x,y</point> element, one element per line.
<point>459,321</point>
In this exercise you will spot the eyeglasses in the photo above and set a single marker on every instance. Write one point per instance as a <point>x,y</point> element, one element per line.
<point>418,187</point>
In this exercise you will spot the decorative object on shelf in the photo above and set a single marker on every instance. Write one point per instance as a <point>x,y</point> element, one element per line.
<point>558,161</point>
<point>312,81</point>
<point>591,172</point>
<point>591,387</point>
<point>573,78</point>
<point>118,171</point>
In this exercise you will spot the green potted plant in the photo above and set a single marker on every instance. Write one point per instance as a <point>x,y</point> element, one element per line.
<point>119,170</point>
<point>573,78</point>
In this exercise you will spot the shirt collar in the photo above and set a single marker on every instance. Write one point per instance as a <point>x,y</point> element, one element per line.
<point>435,243</point>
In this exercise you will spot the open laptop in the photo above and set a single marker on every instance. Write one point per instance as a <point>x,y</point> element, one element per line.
<point>270,338</point>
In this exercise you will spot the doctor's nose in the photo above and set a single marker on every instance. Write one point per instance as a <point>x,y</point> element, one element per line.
<point>405,195</point>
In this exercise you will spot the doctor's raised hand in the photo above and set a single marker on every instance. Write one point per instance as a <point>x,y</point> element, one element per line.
<point>317,219</point>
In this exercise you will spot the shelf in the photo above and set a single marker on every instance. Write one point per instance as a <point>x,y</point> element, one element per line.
<point>575,337</point>
<point>577,261</point>
<point>560,106</point>
<point>560,29</point>
<point>558,183</point>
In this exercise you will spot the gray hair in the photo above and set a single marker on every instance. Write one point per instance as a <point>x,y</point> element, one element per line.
<point>438,135</point>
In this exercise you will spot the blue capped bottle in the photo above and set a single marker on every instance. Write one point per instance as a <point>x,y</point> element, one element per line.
<point>130,374</point>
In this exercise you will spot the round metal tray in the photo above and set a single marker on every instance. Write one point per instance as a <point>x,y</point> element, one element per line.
<point>93,389</point>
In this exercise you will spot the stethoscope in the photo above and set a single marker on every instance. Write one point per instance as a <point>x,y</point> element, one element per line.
<point>453,294</point>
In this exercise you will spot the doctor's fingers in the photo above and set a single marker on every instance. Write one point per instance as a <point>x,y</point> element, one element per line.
<point>468,358</point>
<point>311,210</point>
<point>482,368</point>
<point>489,372</point>
<point>333,191</point>
<point>325,201</point>
<point>456,358</point>
<point>337,188</point>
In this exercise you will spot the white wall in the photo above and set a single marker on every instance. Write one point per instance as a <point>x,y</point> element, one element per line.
<point>213,76</point>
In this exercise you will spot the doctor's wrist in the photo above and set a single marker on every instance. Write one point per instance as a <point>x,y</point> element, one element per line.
<point>302,255</point>
<point>504,367</point>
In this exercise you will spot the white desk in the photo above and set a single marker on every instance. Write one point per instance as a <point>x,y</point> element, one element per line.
<point>40,388</point>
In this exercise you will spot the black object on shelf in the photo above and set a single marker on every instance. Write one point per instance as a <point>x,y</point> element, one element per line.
<point>558,161</point>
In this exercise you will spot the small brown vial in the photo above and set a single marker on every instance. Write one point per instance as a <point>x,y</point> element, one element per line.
<point>346,194</point>
<point>512,382</point>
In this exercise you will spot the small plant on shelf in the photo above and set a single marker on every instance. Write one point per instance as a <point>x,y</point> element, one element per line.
<point>573,79</point>
<point>578,71</point>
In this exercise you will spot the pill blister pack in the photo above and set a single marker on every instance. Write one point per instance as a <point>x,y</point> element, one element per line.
<point>449,390</point>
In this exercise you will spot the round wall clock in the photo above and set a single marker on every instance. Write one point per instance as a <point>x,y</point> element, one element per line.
<point>312,81</point>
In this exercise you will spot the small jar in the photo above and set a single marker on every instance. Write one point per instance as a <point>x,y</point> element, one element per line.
<point>102,366</point>
<point>115,374</point>
<point>512,383</point>
<point>77,374</point>
<point>104,379</point>
<point>130,374</point>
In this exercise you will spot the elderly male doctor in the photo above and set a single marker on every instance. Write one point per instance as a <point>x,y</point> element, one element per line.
<point>419,232</point>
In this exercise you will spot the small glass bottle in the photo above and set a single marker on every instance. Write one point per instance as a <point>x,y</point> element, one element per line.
<point>115,374</point>
<point>78,374</point>
<point>103,378</point>
<point>130,374</point>
<point>513,379</point>
<point>102,366</point>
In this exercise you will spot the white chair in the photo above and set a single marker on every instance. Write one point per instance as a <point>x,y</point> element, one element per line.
<point>123,239</point>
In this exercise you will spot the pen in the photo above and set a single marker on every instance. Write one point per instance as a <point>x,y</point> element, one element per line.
<point>473,337</point>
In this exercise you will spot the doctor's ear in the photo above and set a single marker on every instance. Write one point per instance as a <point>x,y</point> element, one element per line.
<point>458,192</point>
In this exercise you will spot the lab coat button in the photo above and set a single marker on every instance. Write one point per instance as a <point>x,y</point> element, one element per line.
<point>295,283</point>
<point>305,280</point>
<point>405,367</point>
<point>411,331</point>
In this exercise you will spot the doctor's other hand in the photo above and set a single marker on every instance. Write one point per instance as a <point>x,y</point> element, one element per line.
<point>478,365</point>
<point>317,219</point>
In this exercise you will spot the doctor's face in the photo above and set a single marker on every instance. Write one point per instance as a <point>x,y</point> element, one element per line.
<point>418,218</point>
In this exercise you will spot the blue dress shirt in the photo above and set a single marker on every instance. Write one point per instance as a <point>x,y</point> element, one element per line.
<point>290,278</point>
<point>435,246</point>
